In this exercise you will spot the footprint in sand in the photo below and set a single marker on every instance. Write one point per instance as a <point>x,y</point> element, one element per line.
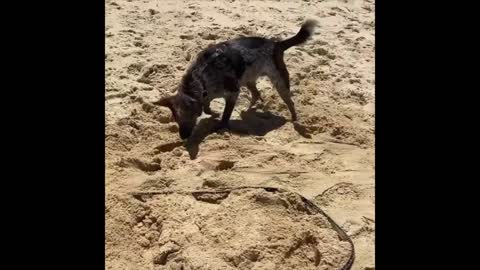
<point>140,164</point>
<point>208,36</point>
<point>149,71</point>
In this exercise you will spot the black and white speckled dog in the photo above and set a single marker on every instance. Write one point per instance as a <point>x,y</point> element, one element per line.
<point>221,69</point>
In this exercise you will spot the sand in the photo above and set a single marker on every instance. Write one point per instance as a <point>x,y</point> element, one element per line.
<point>208,230</point>
<point>328,157</point>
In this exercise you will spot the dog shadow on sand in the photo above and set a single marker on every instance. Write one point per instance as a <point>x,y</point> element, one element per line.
<point>252,122</point>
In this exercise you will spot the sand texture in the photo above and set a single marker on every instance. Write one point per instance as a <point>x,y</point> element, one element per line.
<point>328,157</point>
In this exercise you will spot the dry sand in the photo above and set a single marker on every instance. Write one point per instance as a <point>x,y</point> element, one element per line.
<point>327,158</point>
<point>208,230</point>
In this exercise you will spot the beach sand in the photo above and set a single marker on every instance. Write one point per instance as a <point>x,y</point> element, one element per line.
<point>327,158</point>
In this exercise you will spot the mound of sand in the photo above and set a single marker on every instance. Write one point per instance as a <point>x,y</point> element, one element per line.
<point>209,230</point>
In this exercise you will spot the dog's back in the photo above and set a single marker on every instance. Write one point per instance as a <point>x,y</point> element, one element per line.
<point>242,60</point>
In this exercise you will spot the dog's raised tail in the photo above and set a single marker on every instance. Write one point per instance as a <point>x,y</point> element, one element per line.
<point>306,31</point>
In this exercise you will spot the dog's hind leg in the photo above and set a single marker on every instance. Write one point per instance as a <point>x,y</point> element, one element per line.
<point>252,86</point>
<point>281,80</point>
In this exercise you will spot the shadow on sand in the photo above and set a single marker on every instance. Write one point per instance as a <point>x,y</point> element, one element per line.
<point>252,123</point>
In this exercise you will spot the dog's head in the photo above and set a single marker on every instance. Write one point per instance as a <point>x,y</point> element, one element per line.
<point>185,111</point>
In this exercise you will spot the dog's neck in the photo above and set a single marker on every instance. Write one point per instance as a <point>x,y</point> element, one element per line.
<point>192,86</point>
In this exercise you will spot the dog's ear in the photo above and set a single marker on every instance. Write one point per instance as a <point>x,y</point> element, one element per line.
<point>169,103</point>
<point>165,102</point>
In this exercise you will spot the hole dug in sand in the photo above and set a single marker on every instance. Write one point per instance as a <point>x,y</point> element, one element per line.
<point>243,228</point>
<point>224,165</point>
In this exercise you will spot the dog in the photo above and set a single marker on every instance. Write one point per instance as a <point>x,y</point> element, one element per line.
<point>221,69</point>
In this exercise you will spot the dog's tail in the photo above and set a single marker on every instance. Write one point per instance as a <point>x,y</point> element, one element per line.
<point>306,31</point>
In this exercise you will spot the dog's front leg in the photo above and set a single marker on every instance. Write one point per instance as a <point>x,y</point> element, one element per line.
<point>230,100</point>
<point>206,106</point>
